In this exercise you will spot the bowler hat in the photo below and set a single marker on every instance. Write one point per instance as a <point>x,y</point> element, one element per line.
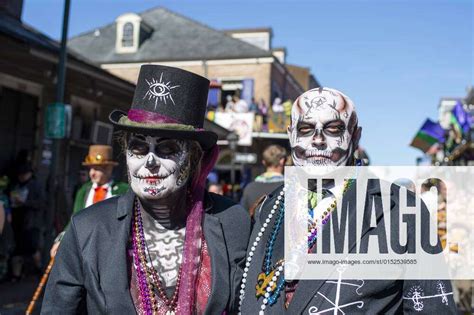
<point>99,155</point>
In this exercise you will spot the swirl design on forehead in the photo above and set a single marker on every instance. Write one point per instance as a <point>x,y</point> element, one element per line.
<point>353,123</point>
<point>318,99</point>
<point>322,99</point>
<point>340,106</point>
<point>297,106</point>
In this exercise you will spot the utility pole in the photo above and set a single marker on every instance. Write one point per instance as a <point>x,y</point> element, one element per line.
<point>63,55</point>
<point>233,140</point>
<point>55,112</point>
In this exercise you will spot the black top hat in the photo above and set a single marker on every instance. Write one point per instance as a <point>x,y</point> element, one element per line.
<point>168,102</point>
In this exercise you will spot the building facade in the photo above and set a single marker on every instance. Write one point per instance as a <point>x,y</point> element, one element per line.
<point>241,61</point>
<point>28,80</point>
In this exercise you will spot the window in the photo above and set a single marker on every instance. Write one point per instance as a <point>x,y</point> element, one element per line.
<point>127,35</point>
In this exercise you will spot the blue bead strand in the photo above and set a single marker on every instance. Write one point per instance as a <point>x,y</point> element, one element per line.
<point>272,239</point>
<point>281,284</point>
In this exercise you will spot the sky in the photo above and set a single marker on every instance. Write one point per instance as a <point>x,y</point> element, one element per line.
<point>394,59</point>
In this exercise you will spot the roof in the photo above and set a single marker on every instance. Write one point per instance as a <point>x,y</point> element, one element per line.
<point>26,33</point>
<point>470,95</point>
<point>279,49</point>
<point>20,31</point>
<point>249,30</point>
<point>174,38</point>
<point>218,129</point>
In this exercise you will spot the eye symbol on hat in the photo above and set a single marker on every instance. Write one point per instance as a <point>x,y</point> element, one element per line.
<point>158,90</point>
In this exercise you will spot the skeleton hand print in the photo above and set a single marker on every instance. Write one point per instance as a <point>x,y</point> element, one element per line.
<point>323,128</point>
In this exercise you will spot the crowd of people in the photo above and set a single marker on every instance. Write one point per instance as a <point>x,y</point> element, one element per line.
<point>167,243</point>
<point>23,206</point>
<point>273,117</point>
<point>24,211</point>
<point>234,104</point>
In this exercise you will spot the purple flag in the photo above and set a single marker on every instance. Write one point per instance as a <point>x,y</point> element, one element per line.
<point>434,130</point>
<point>462,117</point>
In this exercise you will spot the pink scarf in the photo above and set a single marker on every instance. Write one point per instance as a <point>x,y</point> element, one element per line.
<point>194,236</point>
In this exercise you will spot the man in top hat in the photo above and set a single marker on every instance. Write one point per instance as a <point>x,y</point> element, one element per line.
<point>101,186</point>
<point>166,246</point>
<point>324,132</point>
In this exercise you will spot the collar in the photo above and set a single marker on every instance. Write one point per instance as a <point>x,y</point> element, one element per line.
<point>336,190</point>
<point>270,177</point>
<point>125,204</point>
<point>208,201</point>
<point>106,185</point>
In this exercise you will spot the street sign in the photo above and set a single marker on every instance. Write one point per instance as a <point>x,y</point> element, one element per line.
<point>245,158</point>
<point>55,127</point>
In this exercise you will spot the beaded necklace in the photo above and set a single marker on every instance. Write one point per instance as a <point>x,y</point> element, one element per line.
<point>271,281</point>
<point>253,248</point>
<point>313,226</point>
<point>147,278</point>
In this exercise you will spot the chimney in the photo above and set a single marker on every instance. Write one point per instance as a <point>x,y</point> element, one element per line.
<point>12,8</point>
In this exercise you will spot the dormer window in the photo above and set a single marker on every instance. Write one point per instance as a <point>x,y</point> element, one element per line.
<point>131,32</point>
<point>127,35</point>
<point>259,37</point>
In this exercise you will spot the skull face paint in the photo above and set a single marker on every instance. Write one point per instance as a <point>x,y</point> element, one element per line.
<point>157,167</point>
<point>323,128</point>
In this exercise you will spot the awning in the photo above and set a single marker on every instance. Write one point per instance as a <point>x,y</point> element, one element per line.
<point>219,130</point>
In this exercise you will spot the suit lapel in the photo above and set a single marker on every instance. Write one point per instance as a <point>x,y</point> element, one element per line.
<point>307,289</point>
<point>375,193</point>
<point>279,246</point>
<point>119,299</point>
<point>214,236</point>
<point>278,252</point>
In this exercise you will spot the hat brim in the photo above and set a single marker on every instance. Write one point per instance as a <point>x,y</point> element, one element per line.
<point>113,163</point>
<point>207,139</point>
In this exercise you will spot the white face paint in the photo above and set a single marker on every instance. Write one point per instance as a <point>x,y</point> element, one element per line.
<point>157,167</point>
<point>322,127</point>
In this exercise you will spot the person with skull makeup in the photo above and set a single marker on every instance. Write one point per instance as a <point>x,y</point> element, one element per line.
<point>323,129</point>
<point>166,246</point>
<point>324,132</point>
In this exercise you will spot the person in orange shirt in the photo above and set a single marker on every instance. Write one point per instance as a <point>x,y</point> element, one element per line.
<point>101,185</point>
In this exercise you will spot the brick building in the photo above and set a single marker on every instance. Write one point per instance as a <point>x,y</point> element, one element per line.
<point>240,60</point>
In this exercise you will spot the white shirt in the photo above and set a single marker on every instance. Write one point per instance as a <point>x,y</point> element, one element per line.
<point>323,205</point>
<point>241,106</point>
<point>90,196</point>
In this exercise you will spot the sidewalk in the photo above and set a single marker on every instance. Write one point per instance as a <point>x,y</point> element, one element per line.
<point>15,297</point>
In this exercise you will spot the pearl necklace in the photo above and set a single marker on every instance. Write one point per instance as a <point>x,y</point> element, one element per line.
<point>277,281</point>
<point>254,247</point>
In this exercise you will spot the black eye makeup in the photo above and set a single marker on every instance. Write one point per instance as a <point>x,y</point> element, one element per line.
<point>138,146</point>
<point>167,147</point>
<point>334,128</point>
<point>305,129</point>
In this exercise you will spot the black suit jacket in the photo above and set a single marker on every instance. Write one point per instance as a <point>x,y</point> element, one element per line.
<point>355,296</point>
<point>90,274</point>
